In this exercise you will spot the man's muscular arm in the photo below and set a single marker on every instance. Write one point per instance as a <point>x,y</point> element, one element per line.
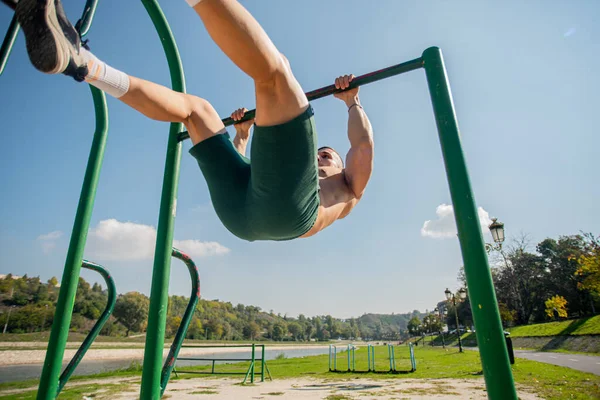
<point>359,160</point>
<point>242,131</point>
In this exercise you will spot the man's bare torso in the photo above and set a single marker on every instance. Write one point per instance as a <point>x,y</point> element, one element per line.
<point>337,200</point>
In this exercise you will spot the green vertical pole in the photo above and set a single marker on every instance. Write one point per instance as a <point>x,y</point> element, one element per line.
<point>159,293</point>
<point>68,285</point>
<point>492,348</point>
<point>9,41</point>
<point>348,356</point>
<point>262,365</point>
<point>253,359</point>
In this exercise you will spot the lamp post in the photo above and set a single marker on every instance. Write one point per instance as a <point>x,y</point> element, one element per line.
<point>497,230</point>
<point>7,318</point>
<point>441,332</point>
<point>462,294</point>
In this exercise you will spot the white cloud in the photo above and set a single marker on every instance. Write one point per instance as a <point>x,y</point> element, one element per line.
<point>445,226</point>
<point>129,241</point>
<point>51,236</point>
<point>48,240</point>
<point>196,248</point>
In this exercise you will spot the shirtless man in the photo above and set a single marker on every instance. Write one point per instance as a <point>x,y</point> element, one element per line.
<point>290,189</point>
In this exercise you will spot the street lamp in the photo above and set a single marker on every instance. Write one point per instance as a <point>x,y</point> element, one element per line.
<point>497,230</point>
<point>7,318</point>
<point>462,294</point>
<point>437,310</point>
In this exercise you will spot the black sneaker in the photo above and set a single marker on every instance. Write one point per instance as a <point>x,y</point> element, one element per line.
<point>52,42</point>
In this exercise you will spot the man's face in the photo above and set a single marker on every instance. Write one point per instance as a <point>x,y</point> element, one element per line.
<point>329,158</point>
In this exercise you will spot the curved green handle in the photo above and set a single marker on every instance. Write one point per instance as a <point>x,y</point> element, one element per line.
<point>185,321</point>
<point>110,306</point>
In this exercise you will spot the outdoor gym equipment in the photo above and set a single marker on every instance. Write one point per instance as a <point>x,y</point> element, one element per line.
<point>494,357</point>
<point>249,373</point>
<point>333,356</point>
<point>89,339</point>
<point>351,359</point>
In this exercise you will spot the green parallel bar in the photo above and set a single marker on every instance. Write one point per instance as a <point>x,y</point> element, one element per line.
<point>486,316</point>
<point>153,353</point>
<point>9,41</point>
<point>262,364</point>
<point>110,305</point>
<point>185,321</point>
<point>329,90</point>
<point>68,285</point>
<point>253,360</point>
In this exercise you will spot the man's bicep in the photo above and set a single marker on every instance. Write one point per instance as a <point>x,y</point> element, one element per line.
<point>359,166</point>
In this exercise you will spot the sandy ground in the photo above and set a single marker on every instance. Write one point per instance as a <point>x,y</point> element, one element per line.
<point>14,357</point>
<point>323,388</point>
<point>305,389</point>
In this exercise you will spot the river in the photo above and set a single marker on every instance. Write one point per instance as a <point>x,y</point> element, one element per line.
<point>11,373</point>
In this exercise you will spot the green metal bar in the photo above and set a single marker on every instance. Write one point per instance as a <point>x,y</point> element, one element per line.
<point>262,364</point>
<point>329,90</point>
<point>486,316</point>
<point>348,357</point>
<point>151,374</point>
<point>110,305</point>
<point>68,285</point>
<point>185,321</point>
<point>9,41</point>
<point>85,22</point>
<point>253,360</point>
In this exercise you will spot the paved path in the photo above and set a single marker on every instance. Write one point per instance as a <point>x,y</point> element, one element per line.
<point>576,361</point>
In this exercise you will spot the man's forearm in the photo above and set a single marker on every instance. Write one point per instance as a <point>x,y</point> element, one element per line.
<point>240,144</point>
<point>360,131</point>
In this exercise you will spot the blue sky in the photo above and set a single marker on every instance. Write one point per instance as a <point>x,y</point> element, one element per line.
<point>525,81</point>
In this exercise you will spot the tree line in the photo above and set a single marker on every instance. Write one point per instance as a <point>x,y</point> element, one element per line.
<point>27,305</point>
<point>553,280</point>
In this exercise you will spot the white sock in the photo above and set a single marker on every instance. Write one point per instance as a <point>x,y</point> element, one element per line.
<point>193,3</point>
<point>105,77</point>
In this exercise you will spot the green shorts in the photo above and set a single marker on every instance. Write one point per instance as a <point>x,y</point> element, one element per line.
<point>276,195</point>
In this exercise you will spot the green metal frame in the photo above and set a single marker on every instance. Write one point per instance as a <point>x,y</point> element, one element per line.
<point>486,316</point>
<point>250,372</point>
<point>85,345</point>
<point>185,320</point>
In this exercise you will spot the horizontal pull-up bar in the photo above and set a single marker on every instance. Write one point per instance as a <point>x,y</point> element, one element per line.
<point>329,90</point>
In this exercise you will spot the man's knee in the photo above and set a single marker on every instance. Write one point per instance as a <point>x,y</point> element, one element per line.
<point>277,70</point>
<point>203,120</point>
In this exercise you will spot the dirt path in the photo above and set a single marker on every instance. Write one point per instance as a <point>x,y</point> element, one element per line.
<point>298,388</point>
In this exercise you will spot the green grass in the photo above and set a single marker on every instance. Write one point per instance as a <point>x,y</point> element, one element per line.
<point>550,381</point>
<point>583,326</point>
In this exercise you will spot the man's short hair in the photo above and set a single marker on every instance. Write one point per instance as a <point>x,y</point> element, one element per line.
<point>333,150</point>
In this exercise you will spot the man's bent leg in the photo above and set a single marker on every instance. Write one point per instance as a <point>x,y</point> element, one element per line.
<point>163,104</point>
<point>279,97</point>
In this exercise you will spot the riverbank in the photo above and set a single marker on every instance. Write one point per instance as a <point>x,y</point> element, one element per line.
<point>20,356</point>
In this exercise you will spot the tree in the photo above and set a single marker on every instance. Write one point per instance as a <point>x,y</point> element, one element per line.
<point>556,304</point>
<point>131,310</point>
<point>295,329</point>
<point>588,269</point>
<point>251,330</point>
<point>414,326</point>
<point>279,330</point>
